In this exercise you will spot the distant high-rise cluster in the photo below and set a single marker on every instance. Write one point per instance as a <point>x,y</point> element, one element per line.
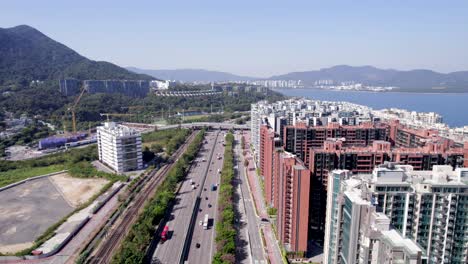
<point>132,88</point>
<point>300,144</point>
<point>278,83</point>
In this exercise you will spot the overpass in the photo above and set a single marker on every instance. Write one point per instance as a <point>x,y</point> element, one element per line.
<point>213,125</point>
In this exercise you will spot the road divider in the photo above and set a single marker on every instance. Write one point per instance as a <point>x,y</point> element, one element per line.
<point>225,231</point>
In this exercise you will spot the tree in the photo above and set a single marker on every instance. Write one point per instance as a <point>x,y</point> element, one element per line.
<point>147,155</point>
<point>156,148</point>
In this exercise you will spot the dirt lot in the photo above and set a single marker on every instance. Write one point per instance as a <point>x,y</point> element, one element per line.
<point>27,210</point>
<point>77,191</point>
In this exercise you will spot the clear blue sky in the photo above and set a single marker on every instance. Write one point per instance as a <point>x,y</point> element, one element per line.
<point>256,38</point>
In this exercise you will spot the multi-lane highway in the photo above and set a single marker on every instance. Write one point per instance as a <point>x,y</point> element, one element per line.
<point>202,246</point>
<point>170,251</point>
<point>104,252</point>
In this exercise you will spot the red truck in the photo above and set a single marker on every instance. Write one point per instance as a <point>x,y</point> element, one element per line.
<point>165,233</point>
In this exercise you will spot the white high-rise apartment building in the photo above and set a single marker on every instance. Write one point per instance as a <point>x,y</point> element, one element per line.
<point>255,122</point>
<point>356,233</point>
<point>428,207</point>
<point>119,147</point>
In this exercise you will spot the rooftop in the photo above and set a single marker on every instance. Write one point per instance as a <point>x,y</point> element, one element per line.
<point>355,196</point>
<point>393,238</point>
<point>299,167</point>
<point>118,130</point>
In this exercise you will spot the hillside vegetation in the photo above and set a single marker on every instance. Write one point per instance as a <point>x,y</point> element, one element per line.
<point>77,161</point>
<point>28,55</point>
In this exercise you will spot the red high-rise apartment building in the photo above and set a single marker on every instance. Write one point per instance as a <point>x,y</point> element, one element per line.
<point>296,175</point>
<point>293,207</point>
<point>333,155</point>
<point>300,138</point>
<point>405,137</point>
<point>267,148</point>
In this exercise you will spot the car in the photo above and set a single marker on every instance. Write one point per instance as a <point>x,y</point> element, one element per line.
<point>265,220</point>
<point>201,222</point>
<point>209,205</point>
<point>200,209</point>
<point>204,189</point>
<point>206,198</point>
<point>197,245</point>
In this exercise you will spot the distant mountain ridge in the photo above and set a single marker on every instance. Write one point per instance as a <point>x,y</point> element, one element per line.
<point>26,54</point>
<point>191,75</point>
<point>409,81</point>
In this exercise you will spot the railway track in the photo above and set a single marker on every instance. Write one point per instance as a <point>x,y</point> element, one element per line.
<point>105,251</point>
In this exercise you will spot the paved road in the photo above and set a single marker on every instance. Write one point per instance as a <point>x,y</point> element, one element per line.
<point>205,238</point>
<point>249,225</point>
<point>272,245</point>
<point>170,251</point>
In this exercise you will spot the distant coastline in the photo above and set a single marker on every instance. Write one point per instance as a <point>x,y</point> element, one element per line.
<point>368,91</point>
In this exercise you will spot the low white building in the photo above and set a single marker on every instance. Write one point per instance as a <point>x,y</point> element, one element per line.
<point>159,85</point>
<point>119,147</point>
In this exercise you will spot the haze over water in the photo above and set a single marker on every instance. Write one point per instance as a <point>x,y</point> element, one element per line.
<point>453,107</point>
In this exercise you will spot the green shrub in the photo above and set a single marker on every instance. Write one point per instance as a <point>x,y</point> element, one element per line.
<point>225,232</point>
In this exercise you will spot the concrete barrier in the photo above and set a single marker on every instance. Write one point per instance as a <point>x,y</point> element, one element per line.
<point>30,179</point>
<point>103,202</point>
<point>66,240</point>
<point>54,251</point>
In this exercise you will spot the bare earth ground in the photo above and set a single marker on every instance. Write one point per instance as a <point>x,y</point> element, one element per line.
<point>15,247</point>
<point>77,191</point>
<point>27,210</point>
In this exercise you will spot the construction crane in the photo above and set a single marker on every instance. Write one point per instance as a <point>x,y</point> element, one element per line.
<point>73,108</point>
<point>114,114</point>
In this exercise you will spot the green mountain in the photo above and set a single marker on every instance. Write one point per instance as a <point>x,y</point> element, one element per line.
<point>27,55</point>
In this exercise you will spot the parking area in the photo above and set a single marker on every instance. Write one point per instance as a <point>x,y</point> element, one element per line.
<point>27,210</point>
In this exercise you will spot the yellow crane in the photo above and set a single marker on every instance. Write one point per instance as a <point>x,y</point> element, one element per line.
<point>73,108</point>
